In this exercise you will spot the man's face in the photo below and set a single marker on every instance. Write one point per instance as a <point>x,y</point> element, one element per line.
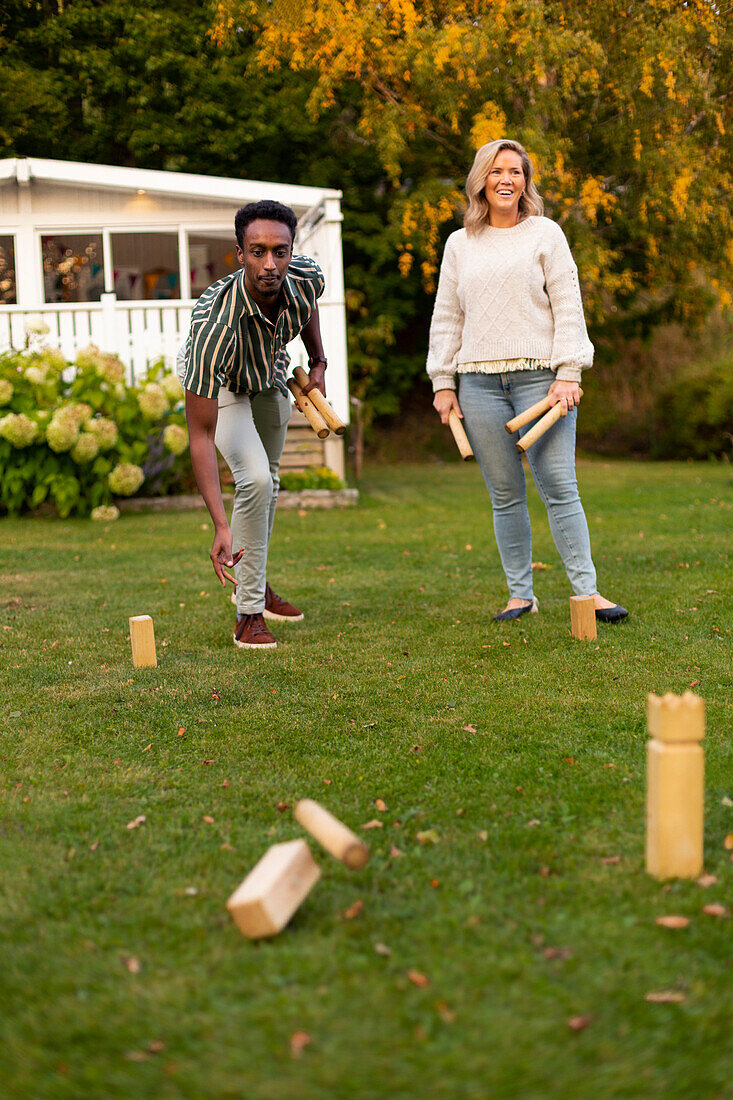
<point>265,256</point>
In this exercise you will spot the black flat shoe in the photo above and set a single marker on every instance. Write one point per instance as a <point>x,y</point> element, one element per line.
<point>517,612</point>
<point>611,614</point>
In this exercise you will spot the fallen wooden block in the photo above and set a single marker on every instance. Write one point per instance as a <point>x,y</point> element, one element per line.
<point>142,637</point>
<point>583,618</point>
<point>335,837</point>
<point>324,407</point>
<point>267,898</point>
<point>459,434</point>
<point>675,785</point>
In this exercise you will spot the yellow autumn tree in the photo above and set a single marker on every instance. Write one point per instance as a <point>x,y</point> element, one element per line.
<point>624,106</point>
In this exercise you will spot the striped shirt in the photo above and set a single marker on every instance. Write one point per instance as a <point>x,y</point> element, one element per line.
<point>232,344</point>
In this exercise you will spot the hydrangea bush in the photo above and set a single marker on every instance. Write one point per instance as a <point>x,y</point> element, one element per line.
<point>77,435</point>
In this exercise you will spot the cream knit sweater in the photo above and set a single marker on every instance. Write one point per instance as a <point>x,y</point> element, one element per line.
<point>508,294</point>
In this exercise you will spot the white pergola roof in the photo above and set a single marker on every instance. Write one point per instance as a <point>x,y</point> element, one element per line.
<point>24,170</point>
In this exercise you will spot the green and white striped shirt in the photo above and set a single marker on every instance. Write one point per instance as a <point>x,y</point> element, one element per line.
<point>232,344</point>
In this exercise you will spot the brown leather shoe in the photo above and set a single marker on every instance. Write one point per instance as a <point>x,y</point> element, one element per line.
<point>279,609</point>
<point>251,633</point>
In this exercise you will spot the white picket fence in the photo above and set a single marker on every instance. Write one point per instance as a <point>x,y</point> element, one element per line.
<point>138,332</point>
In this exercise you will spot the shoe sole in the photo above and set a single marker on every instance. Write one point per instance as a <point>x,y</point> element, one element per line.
<point>271,614</point>
<point>282,618</point>
<point>254,645</point>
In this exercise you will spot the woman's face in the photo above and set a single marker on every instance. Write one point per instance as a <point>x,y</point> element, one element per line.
<point>504,186</point>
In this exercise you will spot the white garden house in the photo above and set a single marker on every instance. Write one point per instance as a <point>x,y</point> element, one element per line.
<point>118,256</point>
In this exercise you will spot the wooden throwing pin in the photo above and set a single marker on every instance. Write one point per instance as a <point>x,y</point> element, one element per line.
<point>459,434</point>
<point>310,412</point>
<point>267,898</point>
<point>142,637</point>
<point>335,837</point>
<point>323,406</point>
<point>675,785</point>
<point>552,415</point>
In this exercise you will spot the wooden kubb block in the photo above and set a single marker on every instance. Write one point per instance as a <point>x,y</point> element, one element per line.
<point>583,618</point>
<point>142,637</point>
<point>264,903</point>
<point>675,786</point>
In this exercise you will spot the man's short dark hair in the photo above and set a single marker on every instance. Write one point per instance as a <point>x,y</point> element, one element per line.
<point>268,210</point>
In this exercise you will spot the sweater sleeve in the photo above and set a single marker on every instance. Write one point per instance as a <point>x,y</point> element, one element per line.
<point>572,351</point>
<point>446,327</point>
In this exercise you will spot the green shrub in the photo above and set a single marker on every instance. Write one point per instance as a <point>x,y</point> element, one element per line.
<point>316,477</point>
<point>76,435</point>
<point>693,416</point>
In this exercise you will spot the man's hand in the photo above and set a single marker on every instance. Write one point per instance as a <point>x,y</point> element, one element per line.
<point>221,555</point>
<point>316,379</point>
<point>567,393</point>
<point>444,401</point>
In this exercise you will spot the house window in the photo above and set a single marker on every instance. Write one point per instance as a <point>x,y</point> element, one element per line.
<point>211,255</point>
<point>8,295</point>
<point>73,267</point>
<point>146,266</point>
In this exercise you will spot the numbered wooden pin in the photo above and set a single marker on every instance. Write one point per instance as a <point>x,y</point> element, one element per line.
<point>675,793</point>
<point>583,618</point>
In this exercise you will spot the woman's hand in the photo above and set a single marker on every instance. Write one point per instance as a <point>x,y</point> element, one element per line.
<point>567,393</point>
<point>444,401</point>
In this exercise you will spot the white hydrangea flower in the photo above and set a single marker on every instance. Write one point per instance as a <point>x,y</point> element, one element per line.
<point>35,325</point>
<point>173,389</point>
<point>105,431</point>
<point>153,401</point>
<point>85,449</point>
<point>175,438</point>
<point>18,429</point>
<point>126,479</point>
<point>105,513</point>
<point>61,433</point>
<point>6,391</point>
<point>36,375</point>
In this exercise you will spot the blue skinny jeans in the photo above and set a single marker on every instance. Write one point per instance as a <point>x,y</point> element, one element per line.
<point>487,401</point>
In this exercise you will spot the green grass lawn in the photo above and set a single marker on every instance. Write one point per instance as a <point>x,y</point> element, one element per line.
<point>518,750</point>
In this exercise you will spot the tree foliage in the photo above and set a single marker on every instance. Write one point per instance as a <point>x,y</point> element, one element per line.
<point>625,106</point>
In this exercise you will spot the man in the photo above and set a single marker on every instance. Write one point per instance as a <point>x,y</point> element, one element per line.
<point>237,400</point>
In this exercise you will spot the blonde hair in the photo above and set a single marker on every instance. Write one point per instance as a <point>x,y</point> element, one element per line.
<point>477,214</point>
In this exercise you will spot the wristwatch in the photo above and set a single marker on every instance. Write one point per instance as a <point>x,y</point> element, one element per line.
<point>317,359</point>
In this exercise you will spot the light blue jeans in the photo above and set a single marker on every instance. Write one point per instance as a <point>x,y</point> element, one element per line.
<point>487,401</point>
<point>250,436</point>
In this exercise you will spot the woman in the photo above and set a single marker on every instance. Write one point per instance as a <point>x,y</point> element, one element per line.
<point>508,324</point>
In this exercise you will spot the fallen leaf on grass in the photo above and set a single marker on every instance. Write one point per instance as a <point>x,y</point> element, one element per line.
<point>373,824</point>
<point>715,910</point>
<point>545,872</point>
<point>557,953</point>
<point>131,963</point>
<point>93,847</point>
<point>181,731</point>
<point>225,783</point>
<point>611,859</point>
<point>533,822</point>
<point>665,997</point>
<point>483,835</point>
<point>225,847</point>
<point>147,747</point>
<point>354,910</point>
<point>394,853</point>
<point>208,819</point>
<point>506,644</point>
<point>137,822</point>
<point>707,880</point>
<point>672,922</point>
<point>381,806</point>
<point>446,1014</point>
<point>428,836</point>
<point>416,748</point>
<point>212,761</point>
<point>417,978</point>
<point>725,801</point>
<point>435,883</point>
<point>299,1040</point>
<point>469,728</point>
<point>156,1046</point>
<point>382,949</point>
<point>136,1056</point>
<point>327,782</point>
<point>282,807</point>
<point>577,1023</point>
